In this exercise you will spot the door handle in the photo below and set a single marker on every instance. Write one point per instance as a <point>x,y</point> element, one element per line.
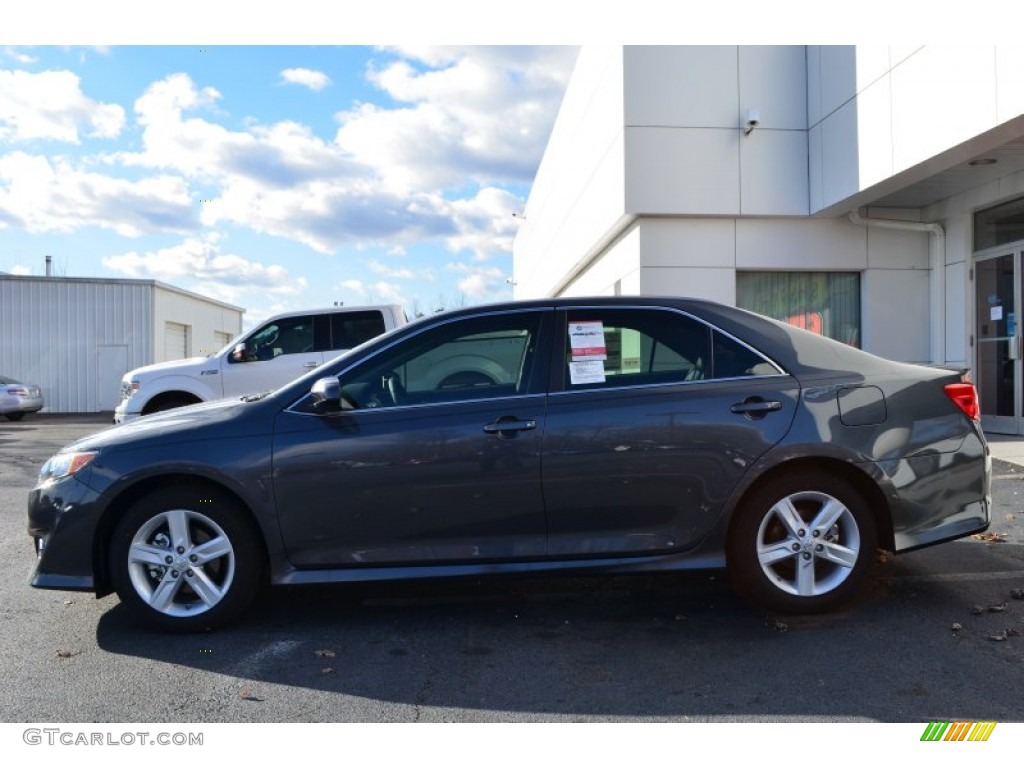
<point>507,426</point>
<point>755,407</point>
<point>310,365</point>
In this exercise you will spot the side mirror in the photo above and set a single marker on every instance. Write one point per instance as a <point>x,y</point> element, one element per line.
<point>327,396</point>
<point>238,353</point>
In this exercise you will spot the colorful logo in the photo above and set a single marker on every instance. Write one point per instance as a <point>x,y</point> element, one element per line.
<point>959,730</point>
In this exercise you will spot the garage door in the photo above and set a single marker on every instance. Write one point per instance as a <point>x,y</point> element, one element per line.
<point>175,341</point>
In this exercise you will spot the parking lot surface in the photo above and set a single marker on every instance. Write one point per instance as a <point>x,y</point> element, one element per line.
<point>937,637</point>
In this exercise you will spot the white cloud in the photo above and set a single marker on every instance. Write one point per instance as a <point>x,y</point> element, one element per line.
<point>51,105</point>
<point>356,286</point>
<point>40,195</point>
<point>477,113</point>
<point>200,261</point>
<point>310,78</point>
<point>21,58</point>
<point>20,269</point>
<point>390,293</point>
<point>400,273</point>
<point>481,282</point>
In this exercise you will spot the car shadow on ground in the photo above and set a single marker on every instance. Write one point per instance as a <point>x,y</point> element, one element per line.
<point>678,646</point>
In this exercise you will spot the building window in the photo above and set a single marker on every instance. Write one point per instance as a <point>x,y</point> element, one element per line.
<point>826,303</point>
<point>999,225</point>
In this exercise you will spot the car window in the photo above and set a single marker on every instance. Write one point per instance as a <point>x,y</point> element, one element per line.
<point>467,359</point>
<point>351,329</point>
<point>622,347</point>
<point>286,336</point>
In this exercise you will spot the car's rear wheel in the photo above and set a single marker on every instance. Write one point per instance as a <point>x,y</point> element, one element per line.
<point>186,559</point>
<point>802,543</point>
<point>15,416</point>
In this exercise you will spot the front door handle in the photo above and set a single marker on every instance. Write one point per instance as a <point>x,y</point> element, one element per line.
<point>310,365</point>
<point>755,407</point>
<point>507,426</point>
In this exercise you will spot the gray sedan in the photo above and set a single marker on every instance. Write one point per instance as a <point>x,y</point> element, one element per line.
<point>17,399</point>
<point>602,435</point>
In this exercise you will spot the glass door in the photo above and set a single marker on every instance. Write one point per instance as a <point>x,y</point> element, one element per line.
<point>998,368</point>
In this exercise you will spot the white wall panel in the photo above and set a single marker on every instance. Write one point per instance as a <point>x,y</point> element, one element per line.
<point>1009,83</point>
<point>682,171</point>
<point>618,264</point>
<point>897,249</point>
<point>814,113</point>
<point>895,317</point>
<point>838,76</point>
<point>697,282</point>
<point>820,244</point>
<point>839,154</point>
<point>873,141</point>
<point>941,96</point>
<point>681,86</point>
<point>773,173</point>
<point>688,242</point>
<point>773,79</point>
<point>957,318</point>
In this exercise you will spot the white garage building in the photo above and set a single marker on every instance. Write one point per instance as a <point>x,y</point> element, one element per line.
<point>875,194</point>
<point>76,337</point>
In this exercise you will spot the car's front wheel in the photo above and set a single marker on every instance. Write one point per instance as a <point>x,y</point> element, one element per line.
<point>802,543</point>
<point>186,559</point>
<point>16,416</point>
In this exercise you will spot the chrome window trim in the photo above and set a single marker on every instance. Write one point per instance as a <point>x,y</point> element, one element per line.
<point>663,384</point>
<point>382,350</point>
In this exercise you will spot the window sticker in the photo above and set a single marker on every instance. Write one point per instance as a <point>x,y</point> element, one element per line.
<point>586,340</point>
<point>586,372</point>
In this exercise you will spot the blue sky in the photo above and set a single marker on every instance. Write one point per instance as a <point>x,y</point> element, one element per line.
<point>275,177</point>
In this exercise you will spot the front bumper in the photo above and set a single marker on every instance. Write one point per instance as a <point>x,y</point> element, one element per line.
<point>122,414</point>
<point>62,520</point>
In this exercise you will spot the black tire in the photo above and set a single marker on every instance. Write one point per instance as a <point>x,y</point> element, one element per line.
<point>15,416</point>
<point>781,562</point>
<point>186,559</point>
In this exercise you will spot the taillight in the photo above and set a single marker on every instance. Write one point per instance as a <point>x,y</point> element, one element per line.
<point>966,398</point>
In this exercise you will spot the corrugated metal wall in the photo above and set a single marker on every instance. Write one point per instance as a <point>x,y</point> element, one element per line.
<point>55,331</point>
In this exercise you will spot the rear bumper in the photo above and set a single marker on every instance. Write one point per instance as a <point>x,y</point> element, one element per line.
<point>942,496</point>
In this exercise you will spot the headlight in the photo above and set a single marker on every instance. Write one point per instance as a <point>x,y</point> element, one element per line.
<point>64,465</point>
<point>128,388</point>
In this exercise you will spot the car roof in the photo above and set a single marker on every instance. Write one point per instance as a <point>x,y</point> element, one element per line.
<point>798,351</point>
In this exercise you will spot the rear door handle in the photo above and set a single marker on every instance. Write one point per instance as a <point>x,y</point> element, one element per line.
<point>310,365</point>
<point>755,407</point>
<point>507,426</point>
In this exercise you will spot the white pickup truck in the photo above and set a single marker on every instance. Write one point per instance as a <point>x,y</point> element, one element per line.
<point>272,354</point>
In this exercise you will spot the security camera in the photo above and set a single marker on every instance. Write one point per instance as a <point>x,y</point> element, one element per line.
<point>752,121</point>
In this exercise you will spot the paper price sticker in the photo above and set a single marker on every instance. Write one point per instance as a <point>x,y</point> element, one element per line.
<point>586,340</point>
<point>586,372</point>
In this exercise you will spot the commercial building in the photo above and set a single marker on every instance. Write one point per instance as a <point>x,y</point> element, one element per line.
<point>76,337</point>
<point>874,194</point>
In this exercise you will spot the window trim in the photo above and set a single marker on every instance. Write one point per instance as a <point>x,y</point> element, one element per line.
<point>557,380</point>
